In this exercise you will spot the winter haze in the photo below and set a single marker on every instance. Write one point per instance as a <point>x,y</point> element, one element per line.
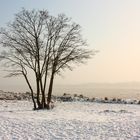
<point>110,26</point>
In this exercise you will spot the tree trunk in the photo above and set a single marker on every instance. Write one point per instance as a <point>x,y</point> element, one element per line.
<point>32,93</point>
<point>33,100</point>
<point>38,92</point>
<point>43,102</point>
<point>43,95</point>
<point>50,91</point>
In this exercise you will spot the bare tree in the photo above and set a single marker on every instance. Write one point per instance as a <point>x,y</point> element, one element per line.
<point>44,44</point>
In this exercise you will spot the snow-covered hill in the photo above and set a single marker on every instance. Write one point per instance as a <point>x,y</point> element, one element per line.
<point>69,121</point>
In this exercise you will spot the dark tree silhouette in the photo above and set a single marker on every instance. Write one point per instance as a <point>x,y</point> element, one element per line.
<point>44,44</point>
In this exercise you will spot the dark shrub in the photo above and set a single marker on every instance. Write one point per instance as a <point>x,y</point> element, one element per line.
<point>81,96</point>
<point>75,95</point>
<point>119,100</point>
<point>114,99</point>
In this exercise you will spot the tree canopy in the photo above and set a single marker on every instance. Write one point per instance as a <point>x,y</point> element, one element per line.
<point>44,44</point>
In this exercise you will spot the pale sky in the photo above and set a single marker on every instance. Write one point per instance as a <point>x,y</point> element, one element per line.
<point>110,26</point>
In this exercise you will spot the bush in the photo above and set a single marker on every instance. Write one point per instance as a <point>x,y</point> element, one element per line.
<point>81,96</point>
<point>75,95</point>
<point>119,100</point>
<point>114,99</point>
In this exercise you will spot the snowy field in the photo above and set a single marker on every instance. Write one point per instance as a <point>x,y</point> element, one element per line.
<point>69,121</point>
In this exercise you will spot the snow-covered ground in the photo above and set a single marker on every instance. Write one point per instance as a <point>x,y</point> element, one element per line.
<point>69,121</point>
